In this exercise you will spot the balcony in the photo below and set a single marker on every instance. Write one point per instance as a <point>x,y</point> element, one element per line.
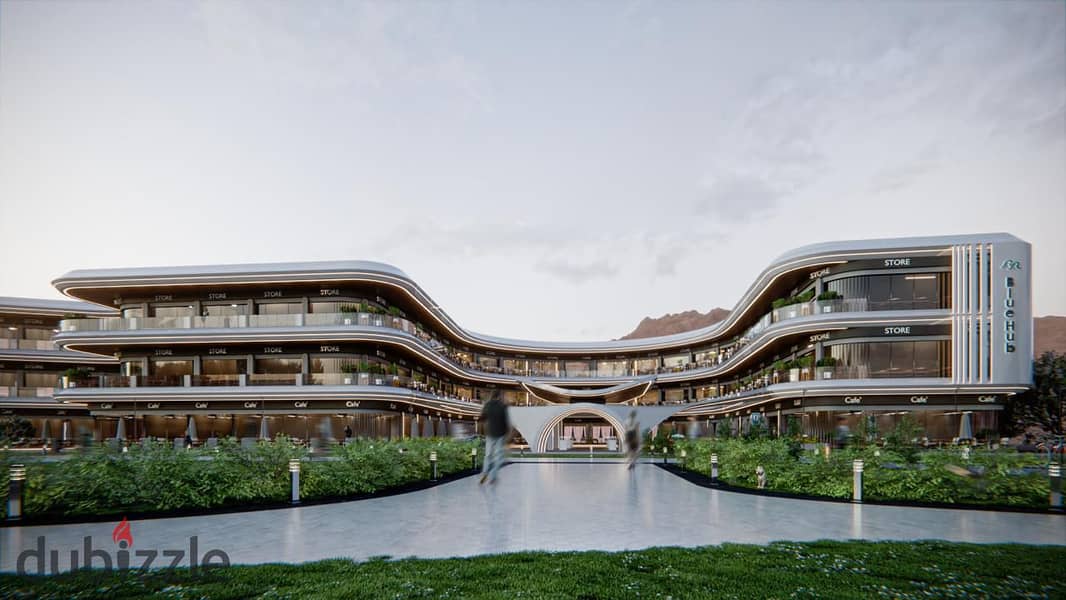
<point>10,344</point>
<point>718,355</point>
<point>256,379</point>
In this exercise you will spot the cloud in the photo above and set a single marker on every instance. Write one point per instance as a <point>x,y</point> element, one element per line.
<point>572,271</point>
<point>904,174</point>
<point>737,198</point>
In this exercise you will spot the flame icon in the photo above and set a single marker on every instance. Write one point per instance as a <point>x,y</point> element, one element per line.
<point>122,532</point>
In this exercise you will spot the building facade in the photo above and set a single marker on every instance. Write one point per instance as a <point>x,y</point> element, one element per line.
<point>939,327</point>
<point>32,367</point>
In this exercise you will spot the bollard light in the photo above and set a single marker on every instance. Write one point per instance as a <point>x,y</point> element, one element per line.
<point>16,485</point>
<point>294,476</point>
<point>433,463</point>
<point>714,468</point>
<point>1054,473</point>
<point>473,458</point>
<point>684,455</point>
<point>856,469</point>
<point>664,454</point>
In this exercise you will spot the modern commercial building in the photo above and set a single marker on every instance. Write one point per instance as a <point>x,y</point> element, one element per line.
<point>31,367</point>
<point>935,326</point>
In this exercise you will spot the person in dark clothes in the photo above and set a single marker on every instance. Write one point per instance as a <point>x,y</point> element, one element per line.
<point>497,427</point>
<point>347,432</point>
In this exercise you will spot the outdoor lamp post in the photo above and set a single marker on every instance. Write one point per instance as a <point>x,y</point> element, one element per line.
<point>684,455</point>
<point>473,458</point>
<point>16,485</point>
<point>714,468</point>
<point>665,450</point>
<point>856,470</point>
<point>294,476</point>
<point>433,463</point>
<point>1054,474</point>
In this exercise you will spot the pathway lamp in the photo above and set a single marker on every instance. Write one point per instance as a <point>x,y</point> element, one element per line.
<point>16,485</point>
<point>684,456</point>
<point>856,484</point>
<point>473,458</point>
<point>665,449</point>
<point>714,468</point>
<point>433,463</point>
<point>1055,475</point>
<point>294,477</point>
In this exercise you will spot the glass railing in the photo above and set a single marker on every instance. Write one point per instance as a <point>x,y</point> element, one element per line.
<point>10,344</point>
<point>356,319</point>
<point>361,379</point>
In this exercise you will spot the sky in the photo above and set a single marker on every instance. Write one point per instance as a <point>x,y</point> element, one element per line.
<point>544,170</point>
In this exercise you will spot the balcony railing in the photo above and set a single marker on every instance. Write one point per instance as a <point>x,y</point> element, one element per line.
<point>294,379</point>
<point>721,354</point>
<point>10,344</point>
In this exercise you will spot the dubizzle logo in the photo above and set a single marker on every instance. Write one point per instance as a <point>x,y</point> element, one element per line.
<point>100,558</point>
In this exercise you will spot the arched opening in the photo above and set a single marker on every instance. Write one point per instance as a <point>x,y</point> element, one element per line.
<point>581,429</point>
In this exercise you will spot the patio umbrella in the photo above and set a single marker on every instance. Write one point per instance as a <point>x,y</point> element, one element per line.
<point>264,431</point>
<point>190,428</point>
<point>965,427</point>
<point>120,431</point>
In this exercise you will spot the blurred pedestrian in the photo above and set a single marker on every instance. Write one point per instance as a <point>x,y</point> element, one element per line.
<point>497,427</point>
<point>632,439</point>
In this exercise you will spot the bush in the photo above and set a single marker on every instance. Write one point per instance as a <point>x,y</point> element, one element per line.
<point>156,477</point>
<point>999,477</point>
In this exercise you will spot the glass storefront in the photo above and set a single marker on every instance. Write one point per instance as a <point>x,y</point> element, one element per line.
<point>927,358</point>
<point>897,292</point>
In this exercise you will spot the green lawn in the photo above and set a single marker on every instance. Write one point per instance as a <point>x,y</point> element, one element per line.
<point>781,570</point>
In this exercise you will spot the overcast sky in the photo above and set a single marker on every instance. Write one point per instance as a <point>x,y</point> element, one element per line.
<point>544,170</point>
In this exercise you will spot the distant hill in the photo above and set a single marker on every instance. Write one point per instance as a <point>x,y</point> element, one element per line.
<point>676,323</point>
<point>1049,332</point>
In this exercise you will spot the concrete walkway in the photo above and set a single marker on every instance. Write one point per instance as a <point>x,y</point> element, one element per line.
<point>535,506</point>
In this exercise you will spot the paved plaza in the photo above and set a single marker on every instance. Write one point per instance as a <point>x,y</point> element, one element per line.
<point>540,506</point>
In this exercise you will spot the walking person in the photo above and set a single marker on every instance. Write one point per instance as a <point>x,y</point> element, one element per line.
<point>632,439</point>
<point>497,427</point>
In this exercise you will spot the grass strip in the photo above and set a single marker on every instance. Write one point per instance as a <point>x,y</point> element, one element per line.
<point>779,570</point>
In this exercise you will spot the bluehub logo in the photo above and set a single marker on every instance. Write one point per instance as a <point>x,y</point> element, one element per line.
<point>122,556</point>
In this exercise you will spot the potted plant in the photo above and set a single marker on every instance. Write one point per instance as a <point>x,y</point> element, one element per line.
<point>825,367</point>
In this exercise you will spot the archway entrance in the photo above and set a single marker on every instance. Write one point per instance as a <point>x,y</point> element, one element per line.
<point>581,428</point>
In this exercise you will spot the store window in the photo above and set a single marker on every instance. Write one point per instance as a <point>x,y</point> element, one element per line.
<point>172,311</point>
<point>225,310</point>
<point>278,365</point>
<point>279,308</point>
<point>224,366</point>
<point>171,367</point>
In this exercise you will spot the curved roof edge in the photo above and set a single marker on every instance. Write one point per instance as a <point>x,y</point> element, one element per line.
<point>798,258</point>
<point>46,306</point>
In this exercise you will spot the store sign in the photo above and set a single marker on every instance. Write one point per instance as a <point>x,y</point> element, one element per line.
<point>164,297</point>
<point>906,330</point>
<point>216,350</point>
<point>897,262</point>
<point>919,399</point>
<point>355,404</point>
<point>329,348</point>
<point>986,399</point>
<point>216,296</point>
<point>817,274</point>
<point>272,349</point>
<point>249,405</point>
<point>201,405</point>
<point>329,292</point>
<point>164,352</point>
<point>272,294</point>
<point>152,405</point>
<point>818,337</point>
<point>852,399</point>
<point>299,404</point>
<point>1008,306</point>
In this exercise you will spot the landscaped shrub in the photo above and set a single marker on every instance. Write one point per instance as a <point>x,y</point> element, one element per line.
<point>156,477</point>
<point>1000,477</point>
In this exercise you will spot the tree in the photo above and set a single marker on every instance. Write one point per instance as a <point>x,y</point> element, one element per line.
<point>1044,405</point>
<point>14,428</point>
